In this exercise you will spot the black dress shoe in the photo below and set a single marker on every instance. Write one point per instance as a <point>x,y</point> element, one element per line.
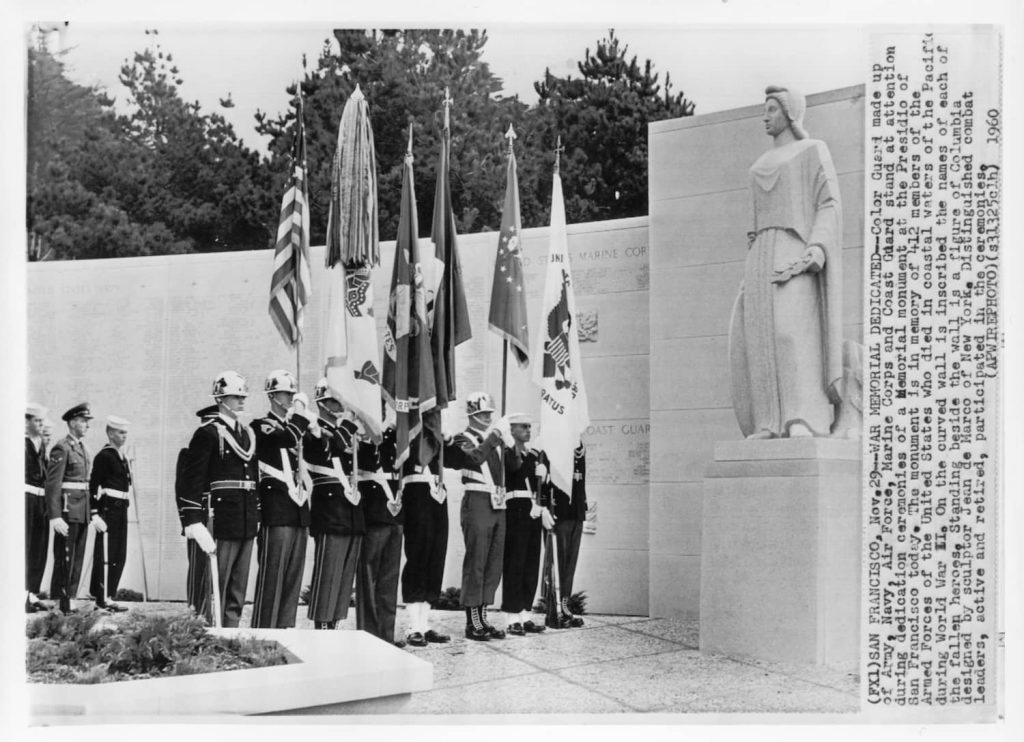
<point>531,628</point>
<point>112,607</point>
<point>34,607</point>
<point>517,629</point>
<point>575,621</point>
<point>399,643</point>
<point>562,622</point>
<point>494,632</point>
<point>477,635</point>
<point>416,639</point>
<point>435,638</point>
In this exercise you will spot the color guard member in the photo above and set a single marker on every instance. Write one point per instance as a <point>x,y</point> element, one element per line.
<point>284,508</point>
<point>37,525</point>
<point>524,518</point>
<point>221,460</point>
<point>477,452</point>
<point>110,484</point>
<point>381,555</point>
<point>197,578</point>
<point>426,543</point>
<point>67,504</point>
<point>570,511</point>
<point>336,521</point>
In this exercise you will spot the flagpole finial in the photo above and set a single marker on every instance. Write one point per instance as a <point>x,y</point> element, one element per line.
<point>357,94</point>
<point>559,149</point>
<point>447,103</point>
<point>510,135</point>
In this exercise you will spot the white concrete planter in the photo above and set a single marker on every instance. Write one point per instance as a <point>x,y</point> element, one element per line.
<point>334,666</point>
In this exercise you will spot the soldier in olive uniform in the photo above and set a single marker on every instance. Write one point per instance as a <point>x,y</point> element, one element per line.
<point>67,504</point>
<point>109,488</point>
<point>221,460</point>
<point>284,510</point>
<point>37,525</point>
<point>336,522</point>
<point>477,452</point>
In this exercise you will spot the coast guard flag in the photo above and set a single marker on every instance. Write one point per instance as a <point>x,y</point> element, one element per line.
<point>408,366</point>
<point>290,283</point>
<point>557,369</point>
<point>508,298</point>
<point>350,331</point>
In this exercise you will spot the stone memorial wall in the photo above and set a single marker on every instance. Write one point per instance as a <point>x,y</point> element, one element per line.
<point>142,338</point>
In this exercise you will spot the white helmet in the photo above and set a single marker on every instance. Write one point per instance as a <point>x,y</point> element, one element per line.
<point>322,391</point>
<point>280,381</point>
<point>230,384</point>
<point>479,402</point>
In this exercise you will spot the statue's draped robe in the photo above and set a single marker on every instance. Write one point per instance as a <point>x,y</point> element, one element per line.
<point>785,339</point>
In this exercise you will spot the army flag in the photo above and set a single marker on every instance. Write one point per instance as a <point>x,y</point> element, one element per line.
<point>557,367</point>
<point>408,366</point>
<point>350,341</point>
<point>290,282</point>
<point>507,316</point>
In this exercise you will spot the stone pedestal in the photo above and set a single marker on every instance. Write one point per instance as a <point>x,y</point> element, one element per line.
<point>780,550</point>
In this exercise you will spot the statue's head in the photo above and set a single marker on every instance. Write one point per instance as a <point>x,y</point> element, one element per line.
<point>793,105</point>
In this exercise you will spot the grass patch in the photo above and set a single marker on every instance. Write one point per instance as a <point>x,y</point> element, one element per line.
<point>92,648</point>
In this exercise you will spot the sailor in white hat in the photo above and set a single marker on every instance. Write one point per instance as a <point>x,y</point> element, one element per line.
<point>110,485</point>
<point>37,525</point>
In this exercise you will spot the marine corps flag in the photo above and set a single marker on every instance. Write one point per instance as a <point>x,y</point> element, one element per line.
<point>508,298</point>
<point>557,369</point>
<point>350,342</point>
<point>408,367</point>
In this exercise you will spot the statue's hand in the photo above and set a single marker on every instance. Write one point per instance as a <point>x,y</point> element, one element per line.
<point>812,261</point>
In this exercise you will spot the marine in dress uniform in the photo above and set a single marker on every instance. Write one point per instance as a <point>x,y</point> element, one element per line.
<point>197,578</point>
<point>110,485</point>
<point>336,522</point>
<point>477,452</point>
<point>524,519</point>
<point>570,511</point>
<point>284,507</point>
<point>426,545</point>
<point>221,460</point>
<point>37,525</point>
<point>381,554</point>
<point>67,504</point>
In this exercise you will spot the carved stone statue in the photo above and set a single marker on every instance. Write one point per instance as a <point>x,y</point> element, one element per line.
<point>785,336</point>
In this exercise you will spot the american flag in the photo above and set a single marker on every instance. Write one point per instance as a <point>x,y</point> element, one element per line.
<point>290,284</point>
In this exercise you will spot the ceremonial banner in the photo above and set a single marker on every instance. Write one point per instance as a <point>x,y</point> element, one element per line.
<point>507,315</point>
<point>448,315</point>
<point>408,368</point>
<point>563,409</point>
<point>290,283</point>
<point>350,342</point>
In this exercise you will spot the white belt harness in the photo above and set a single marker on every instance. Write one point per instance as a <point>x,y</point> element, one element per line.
<point>298,491</point>
<point>394,504</point>
<point>482,481</point>
<point>31,489</point>
<point>436,491</point>
<point>335,472</point>
<point>116,494</point>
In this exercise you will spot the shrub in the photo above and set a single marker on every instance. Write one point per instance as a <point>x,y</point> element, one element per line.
<point>449,600</point>
<point>127,595</point>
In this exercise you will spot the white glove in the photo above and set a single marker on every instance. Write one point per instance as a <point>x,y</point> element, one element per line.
<point>547,519</point>
<point>504,429</point>
<point>59,525</point>
<point>541,471</point>
<point>535,511</point>
<point>202,537</point>
<point>99,524</point>
<point>300,401</point>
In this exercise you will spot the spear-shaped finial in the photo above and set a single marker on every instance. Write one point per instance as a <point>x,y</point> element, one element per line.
<point>447,103</point>
<point>559,149</point>
<point>408,151</point>
<point>357,94</point>
<point>510,135</point>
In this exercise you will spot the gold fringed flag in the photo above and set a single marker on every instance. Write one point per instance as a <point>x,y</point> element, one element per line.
<point>449,315</point>
<point>350,343</point>
<point>290,283</point>
<point>557,367</point>
<point>507,316</point>
<point>408,368</point>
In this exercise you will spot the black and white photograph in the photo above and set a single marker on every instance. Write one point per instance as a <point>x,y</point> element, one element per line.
<point>459,368</point>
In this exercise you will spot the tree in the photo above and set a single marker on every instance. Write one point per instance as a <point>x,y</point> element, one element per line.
<point>403,74</point>
<point>602,119</point>
<point>164,178</point>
